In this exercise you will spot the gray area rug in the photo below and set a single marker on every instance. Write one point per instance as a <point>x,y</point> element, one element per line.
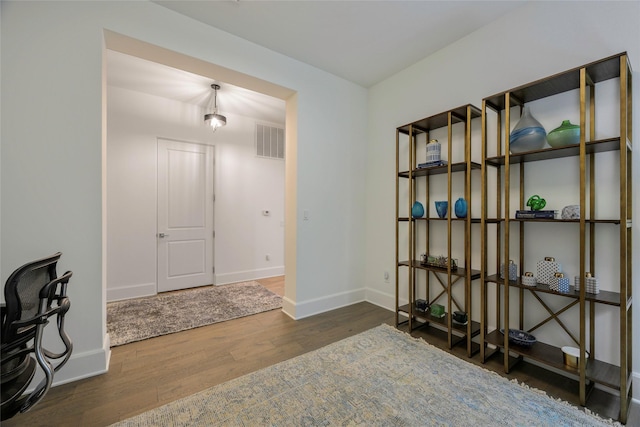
<point>381,377</point>
<point>142,318</point>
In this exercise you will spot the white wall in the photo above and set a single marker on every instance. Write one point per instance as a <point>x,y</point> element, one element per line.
<point>245,185</point>
<point>531,43</point>
<point>52,69</point>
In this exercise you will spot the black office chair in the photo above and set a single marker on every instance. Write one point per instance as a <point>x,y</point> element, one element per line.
<point>33,293</point>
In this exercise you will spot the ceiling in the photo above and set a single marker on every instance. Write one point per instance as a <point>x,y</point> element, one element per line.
<point>133,73</point>
<point>361,41</point>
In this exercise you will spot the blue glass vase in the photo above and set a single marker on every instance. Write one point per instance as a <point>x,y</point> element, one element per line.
<point>461,208</point>
<point>417,211</point>
<point>441,208</point>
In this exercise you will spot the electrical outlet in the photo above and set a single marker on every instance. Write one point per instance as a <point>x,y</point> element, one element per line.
<point>267,257</point>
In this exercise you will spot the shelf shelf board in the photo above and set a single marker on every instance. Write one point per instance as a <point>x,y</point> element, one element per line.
<point>571,221</point>
<point>475,274</point>
<point>473,220</point>
<point>599,146</point>
<point>438,170</point>
<point>598,71</point>
<point>425,317</point>
<point>597,371</point>
<point>604,297</point>
<point>458,115</point>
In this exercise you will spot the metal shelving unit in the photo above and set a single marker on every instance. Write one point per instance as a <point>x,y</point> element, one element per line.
<point>590,371</point>
<point>436,283</point>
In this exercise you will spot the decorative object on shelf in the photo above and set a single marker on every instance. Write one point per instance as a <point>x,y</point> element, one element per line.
<point>536,202</point>
<point>417,211</point>
<point>513,271</point>
<point>571,212</point>
<point>536,214</point>
<point>439,261</point>
<point>437,310</point>
<point>433,151</point>
<point>559,283</point>
<point>460,208</point>
<point>527,135</point>
<point>546,269</point>
<point>564,135</point>
<point>422,304</point>
<point>519,337</point>
<point>460,317</point>
<point>591,284</point>
<point>571,356</point>
<point>441,208</point>
<point>528,279</point>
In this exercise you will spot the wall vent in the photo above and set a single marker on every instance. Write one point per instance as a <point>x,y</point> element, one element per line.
<point>269,141</point>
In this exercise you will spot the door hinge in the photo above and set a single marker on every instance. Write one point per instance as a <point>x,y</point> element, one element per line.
<point>213,269</point>
<point>214,234</point>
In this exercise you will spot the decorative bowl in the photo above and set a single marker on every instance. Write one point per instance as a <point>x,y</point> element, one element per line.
<point>519,337</point>
<point>564,135</point>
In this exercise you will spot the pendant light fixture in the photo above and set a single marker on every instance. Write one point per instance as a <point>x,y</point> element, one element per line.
<point>214,119</point>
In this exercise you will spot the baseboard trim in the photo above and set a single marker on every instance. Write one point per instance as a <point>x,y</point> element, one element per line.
<point>244,276</point>
<point>129,292</point>
<point>300,310</point>
<point>381,299</point>
<point>80,366</point>
<point>635,392</point>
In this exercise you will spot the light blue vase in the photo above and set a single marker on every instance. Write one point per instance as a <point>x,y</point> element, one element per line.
<point>461,208</point>
<point>417,211</point>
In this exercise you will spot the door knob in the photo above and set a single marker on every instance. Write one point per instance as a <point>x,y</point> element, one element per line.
<point>162,235</point>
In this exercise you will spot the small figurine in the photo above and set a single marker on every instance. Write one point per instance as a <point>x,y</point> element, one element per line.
<point>536,202</point>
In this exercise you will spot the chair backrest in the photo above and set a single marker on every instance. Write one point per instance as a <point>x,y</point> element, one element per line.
<point>22,295</point>
<point>33,293</point>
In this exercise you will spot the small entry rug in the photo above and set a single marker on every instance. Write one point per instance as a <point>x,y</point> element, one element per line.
<point>142,318</point>
<point>381,377</point>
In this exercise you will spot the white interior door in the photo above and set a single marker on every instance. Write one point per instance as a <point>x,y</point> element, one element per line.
<point>185,215</point>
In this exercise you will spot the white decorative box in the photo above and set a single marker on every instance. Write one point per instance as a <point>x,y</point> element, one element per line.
<point>591,284</point>
<point>513,271</point>
<point>559,283</point>
<point>528,279</point>
<point>546,269</point>
<point>433,151</point>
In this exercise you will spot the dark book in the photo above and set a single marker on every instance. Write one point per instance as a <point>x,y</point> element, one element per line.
<point>535,214</point>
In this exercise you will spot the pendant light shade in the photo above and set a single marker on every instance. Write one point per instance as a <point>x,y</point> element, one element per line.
<point>214,119</point>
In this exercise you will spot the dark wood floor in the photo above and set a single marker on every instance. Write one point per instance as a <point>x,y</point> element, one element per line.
<point>150,373</point>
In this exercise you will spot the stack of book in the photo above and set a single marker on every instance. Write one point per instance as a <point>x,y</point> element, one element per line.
<point>536,214</point>
<point>432,164</point>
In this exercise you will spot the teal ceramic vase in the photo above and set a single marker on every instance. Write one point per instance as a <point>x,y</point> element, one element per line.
<point>417,211</point>
<point>564,135</point>
<point>441,208</point>
<point>460,208</point>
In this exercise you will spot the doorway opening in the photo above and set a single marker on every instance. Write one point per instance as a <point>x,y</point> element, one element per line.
<point>142,50</point>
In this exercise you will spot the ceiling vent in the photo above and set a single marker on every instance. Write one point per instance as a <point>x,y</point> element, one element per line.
<point>269,141</point>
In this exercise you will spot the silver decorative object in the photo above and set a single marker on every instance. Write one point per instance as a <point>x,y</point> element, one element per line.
<point>571,212</point>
